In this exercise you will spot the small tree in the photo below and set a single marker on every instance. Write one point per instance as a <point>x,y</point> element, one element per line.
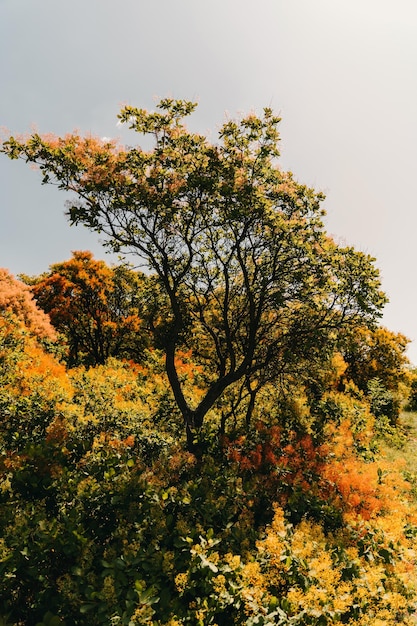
<point>249,279</point>
<point>96,307</point>
<point>377,363</point>
<point>376,353</point>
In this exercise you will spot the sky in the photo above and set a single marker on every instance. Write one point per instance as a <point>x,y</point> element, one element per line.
<point>342,74</point>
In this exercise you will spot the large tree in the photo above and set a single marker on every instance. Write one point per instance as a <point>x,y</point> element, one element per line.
<point>249,279</point>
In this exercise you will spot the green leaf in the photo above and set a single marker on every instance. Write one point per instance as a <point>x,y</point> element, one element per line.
<point>86,608</point>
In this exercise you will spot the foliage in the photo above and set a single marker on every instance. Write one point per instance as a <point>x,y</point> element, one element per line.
<point>123,400</point>
<point>361,575</point>
<point>376,364</point>
<point>412,398</point>
<point>249,280</point>
<point>282,510</point>
<point>16,298</point>
<point>107,538</point>
<point>33,386</point>
<point>383,402</point>
<point>96,307</point>
<point>105,519</point>
<point>376,353</point>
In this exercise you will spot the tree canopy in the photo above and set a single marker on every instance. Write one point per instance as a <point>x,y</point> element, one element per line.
<point>95,306</point>
<point>377,353</point>
<point>248,278</point>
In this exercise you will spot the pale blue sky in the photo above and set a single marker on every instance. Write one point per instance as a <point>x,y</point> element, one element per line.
<point>342,74</point>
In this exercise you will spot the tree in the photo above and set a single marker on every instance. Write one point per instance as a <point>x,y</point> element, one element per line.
<point>377,363</point>
<point>376,353</point>
<point>249,278</point>
<point>95,306</point>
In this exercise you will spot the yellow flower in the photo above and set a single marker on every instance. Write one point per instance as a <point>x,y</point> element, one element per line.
<point>181,581</point>
<point>233,560</point>
<point>296,598</point>
<point>219,584</point>
<point>343,598</point>
<point>168,562</point>
<point>278,523</point>
<point>352,553</point>
<point>109,591</point>
<point>252,573</point>
<point>396,601</point>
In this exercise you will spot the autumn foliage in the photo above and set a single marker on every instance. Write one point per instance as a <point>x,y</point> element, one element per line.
<point>96,307</point>
<point>104,514</point>
<point>17,298</point>
<point>200,445</point>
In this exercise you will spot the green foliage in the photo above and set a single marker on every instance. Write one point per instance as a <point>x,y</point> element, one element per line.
<point>106,536</point>
<point>412,397</point>
<point>384,403</point>
<point>376,353</point>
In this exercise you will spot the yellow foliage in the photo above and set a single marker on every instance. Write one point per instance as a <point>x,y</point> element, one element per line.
<point>317,575</point>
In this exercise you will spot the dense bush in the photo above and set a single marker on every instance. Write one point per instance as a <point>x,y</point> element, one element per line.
<point>109,539</point>
<point>384,403</point>
<point>106,519</point>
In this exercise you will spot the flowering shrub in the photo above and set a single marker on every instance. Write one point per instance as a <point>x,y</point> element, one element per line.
<point>363,574</point>
<point>33,385</point>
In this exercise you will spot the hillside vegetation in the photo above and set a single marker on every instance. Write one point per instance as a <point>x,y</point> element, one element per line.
<point>106,517</point>
<point>211,441</point>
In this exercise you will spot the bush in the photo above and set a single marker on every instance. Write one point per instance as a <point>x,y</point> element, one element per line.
<point>384,403</point>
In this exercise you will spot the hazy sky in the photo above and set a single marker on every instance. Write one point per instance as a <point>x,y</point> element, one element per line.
<point>341,73</point>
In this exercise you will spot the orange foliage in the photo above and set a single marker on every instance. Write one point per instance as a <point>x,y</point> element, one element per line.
<point>359,488</point>
<point>283,465</point>
<point>35,387</point>
<point>34,371</point>
<point>39,370</point>
<point>16,298</point>
<point>297,454</point>
<point>332,472</point>
<point>101,160</point>
<point>94,306</point>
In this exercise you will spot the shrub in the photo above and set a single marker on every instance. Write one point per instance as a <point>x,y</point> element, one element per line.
<point>363,574</point>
